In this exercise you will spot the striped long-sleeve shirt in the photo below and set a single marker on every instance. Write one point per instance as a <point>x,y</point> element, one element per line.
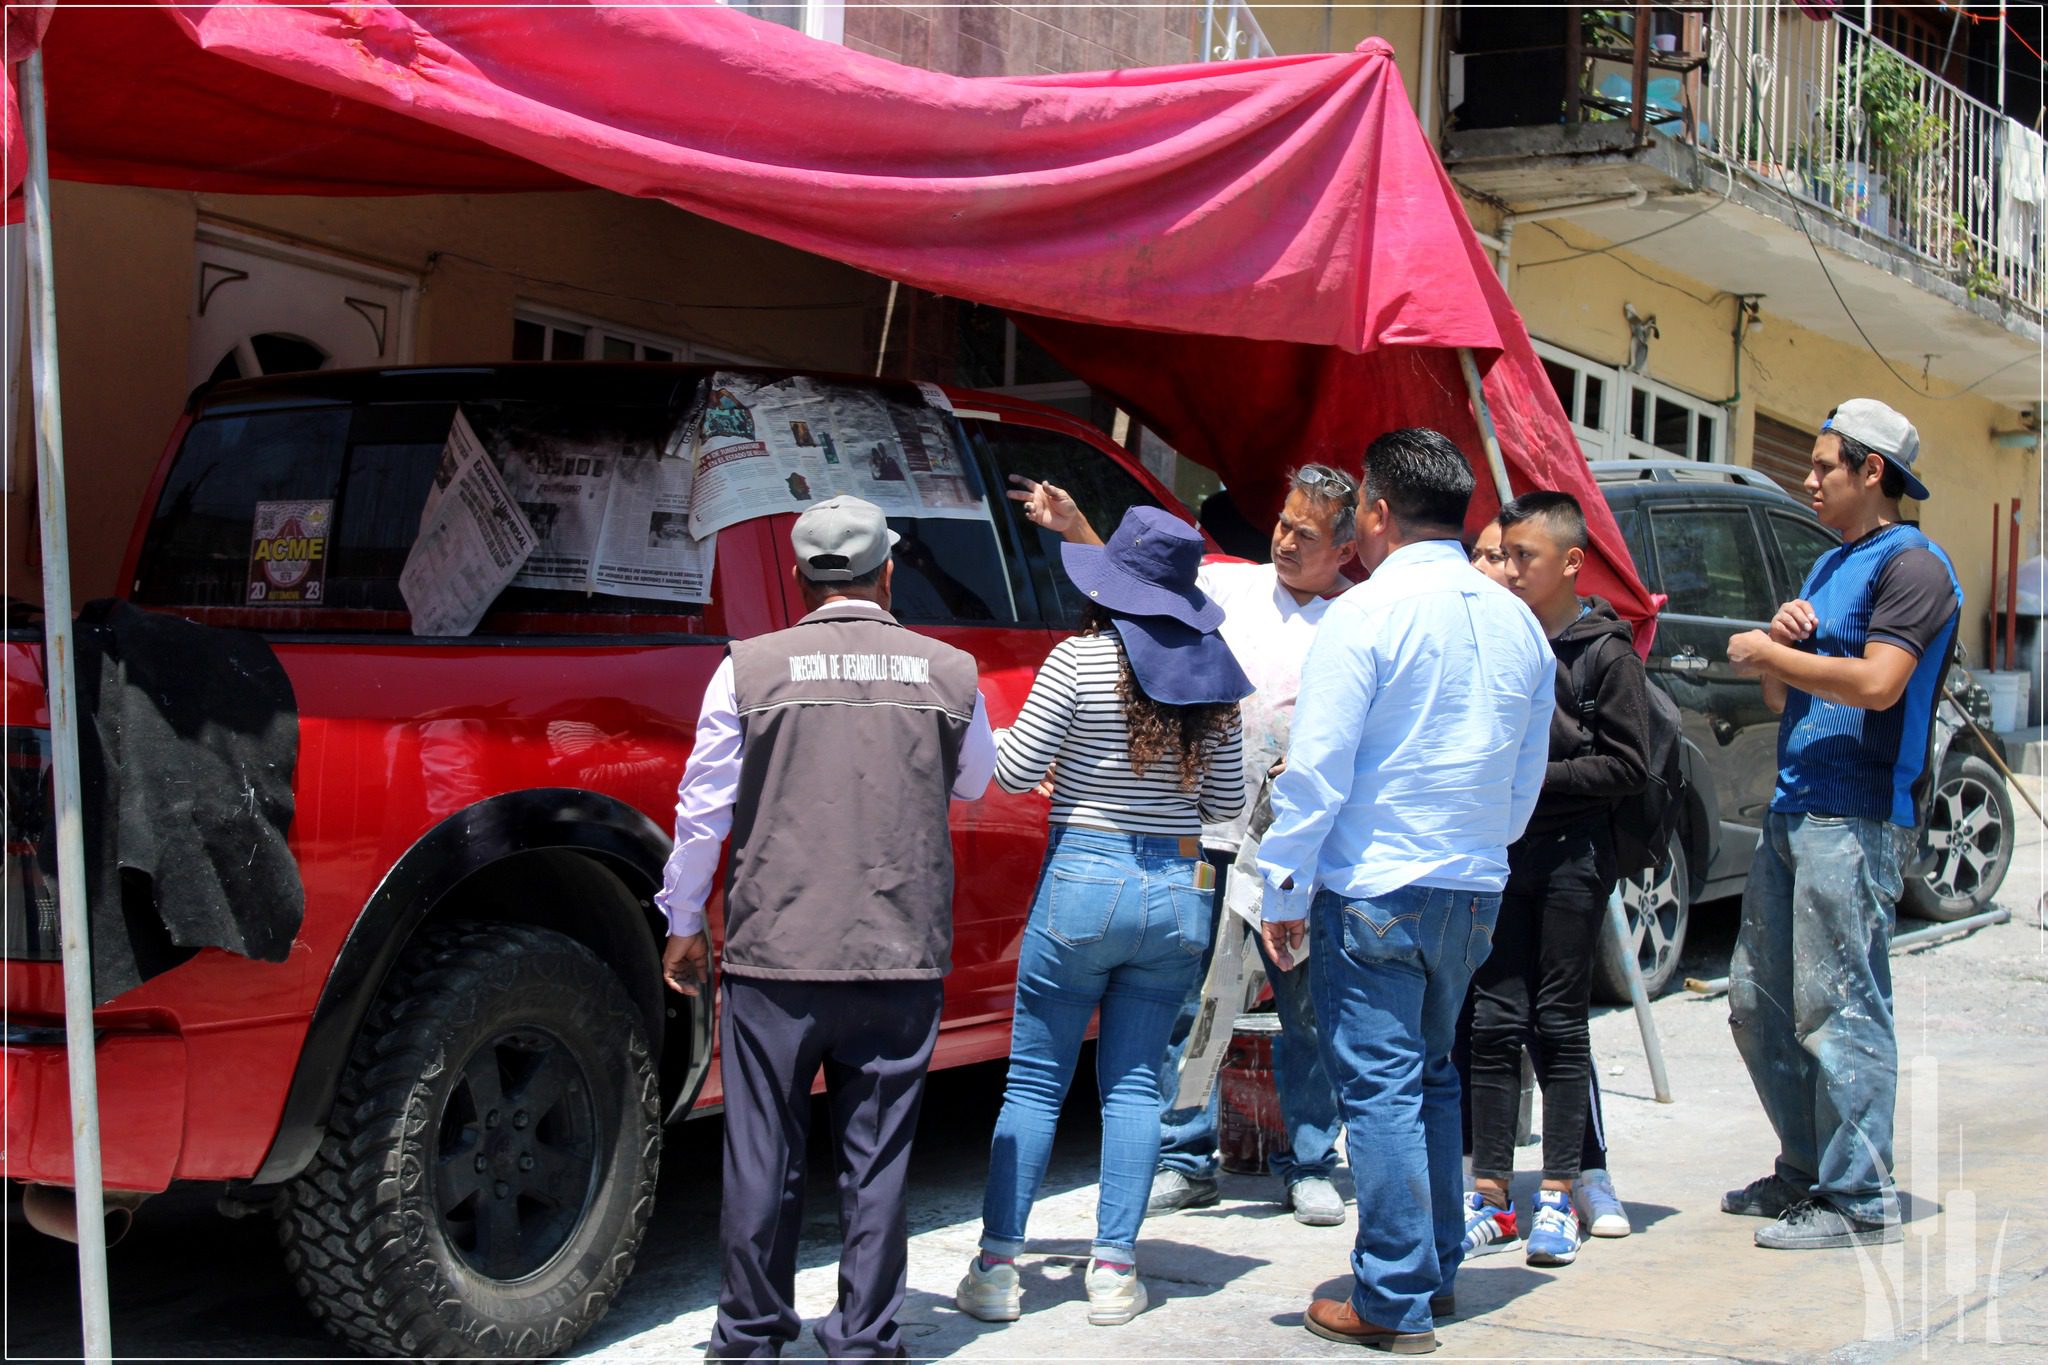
<point>1075,720</point>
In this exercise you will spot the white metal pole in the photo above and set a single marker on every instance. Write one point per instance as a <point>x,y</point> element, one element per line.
<point>2001,56</point>
<point>1488,438</point>
<point>59,666</point>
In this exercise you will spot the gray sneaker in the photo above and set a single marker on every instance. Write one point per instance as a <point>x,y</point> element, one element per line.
<point>1173,1191</point>
<point>1769,1197</point>
<point>1315,1201</point>
<point>1816,1225</point>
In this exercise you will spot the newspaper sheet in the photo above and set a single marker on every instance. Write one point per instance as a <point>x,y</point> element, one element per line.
<point>649,550</point>
<point>612,516</point>
<point>781,445</point>
<point>473,539</point>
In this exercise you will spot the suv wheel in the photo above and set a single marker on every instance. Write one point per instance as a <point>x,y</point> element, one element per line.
<point>1966,844</point>
<point>1657,906</point>
<point>489,1168</point>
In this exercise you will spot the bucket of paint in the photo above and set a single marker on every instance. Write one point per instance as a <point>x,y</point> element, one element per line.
<point>2008,697</point>
<point>1248,1123</point>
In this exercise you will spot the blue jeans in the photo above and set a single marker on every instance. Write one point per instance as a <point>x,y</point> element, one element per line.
<point>1810,1002</point>
<point>1118,924</point>
<point>1308,1102</point>
<point>1389,974</point>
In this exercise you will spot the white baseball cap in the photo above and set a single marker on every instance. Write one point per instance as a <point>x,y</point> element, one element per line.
<point>840,540</point>
<point>1885,430</point>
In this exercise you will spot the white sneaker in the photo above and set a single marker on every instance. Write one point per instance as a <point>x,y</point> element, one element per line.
<point>993,1295</point>
<point>1114,1296</point>
<point>1598,1206</point>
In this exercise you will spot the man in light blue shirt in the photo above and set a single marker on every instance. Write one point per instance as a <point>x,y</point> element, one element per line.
<point>1418,749</point>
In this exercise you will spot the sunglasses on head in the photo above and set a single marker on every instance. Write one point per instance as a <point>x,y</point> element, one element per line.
<point>1328,482</point>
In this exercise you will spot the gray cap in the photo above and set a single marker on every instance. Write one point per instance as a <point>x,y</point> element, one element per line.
<point>1885,430</point>
<point>843,539</point>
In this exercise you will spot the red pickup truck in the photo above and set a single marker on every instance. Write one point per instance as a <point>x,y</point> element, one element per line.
<point>452,1091</point>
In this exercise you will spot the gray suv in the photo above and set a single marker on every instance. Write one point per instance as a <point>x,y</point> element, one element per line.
<point>1726,545</point>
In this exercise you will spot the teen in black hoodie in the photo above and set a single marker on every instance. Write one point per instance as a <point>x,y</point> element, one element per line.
<point>1536,985</point>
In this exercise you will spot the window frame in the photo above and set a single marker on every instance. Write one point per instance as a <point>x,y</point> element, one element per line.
<point>1614,439</point>
<point>1657,514</point>
<point>1789,582</point>
<point>595,331</point>
<point>1040,568</point>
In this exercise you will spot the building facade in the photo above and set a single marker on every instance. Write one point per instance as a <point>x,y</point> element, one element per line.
<point>1775,208</point>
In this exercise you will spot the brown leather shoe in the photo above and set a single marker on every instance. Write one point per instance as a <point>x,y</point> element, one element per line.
<point>1336,1320</point>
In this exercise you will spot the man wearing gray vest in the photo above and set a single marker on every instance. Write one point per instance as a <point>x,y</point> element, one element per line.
<point>829,751</point>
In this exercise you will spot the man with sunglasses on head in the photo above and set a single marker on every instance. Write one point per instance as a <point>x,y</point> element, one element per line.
<point>1270,615</point>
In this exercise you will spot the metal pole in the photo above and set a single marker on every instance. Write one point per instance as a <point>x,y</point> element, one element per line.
<point>60,669</point>
<point>1489,440</point>
<point>1917,938</point>
<point>1632,971</point>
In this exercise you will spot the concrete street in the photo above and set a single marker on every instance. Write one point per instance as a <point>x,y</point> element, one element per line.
<point>1230,1283</point>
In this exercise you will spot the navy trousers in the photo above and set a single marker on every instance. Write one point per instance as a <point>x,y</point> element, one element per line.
<point>873,1040</point>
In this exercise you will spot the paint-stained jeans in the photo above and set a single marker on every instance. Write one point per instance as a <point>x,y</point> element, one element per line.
<point>1810,1002</point>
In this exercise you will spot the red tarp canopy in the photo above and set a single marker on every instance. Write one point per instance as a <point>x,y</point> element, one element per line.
<point>1263,260</point>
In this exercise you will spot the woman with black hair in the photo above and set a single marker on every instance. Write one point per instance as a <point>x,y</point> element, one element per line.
<point>1136,717</point>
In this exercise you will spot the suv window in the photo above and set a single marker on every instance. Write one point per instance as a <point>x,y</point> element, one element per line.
<point>1800,544</point>
<point>1710,563</point>
<point>375,461</point>
<point>1102,489</point>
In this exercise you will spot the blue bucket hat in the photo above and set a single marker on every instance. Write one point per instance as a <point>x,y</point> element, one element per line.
<point>1179,665</point>
<point>1145,579</point>
<point>1147,569</point>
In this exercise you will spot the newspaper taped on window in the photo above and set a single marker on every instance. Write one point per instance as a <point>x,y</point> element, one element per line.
<point>768,445</point>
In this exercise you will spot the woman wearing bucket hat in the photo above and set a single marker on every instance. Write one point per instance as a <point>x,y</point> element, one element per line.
<point>1136,717</point>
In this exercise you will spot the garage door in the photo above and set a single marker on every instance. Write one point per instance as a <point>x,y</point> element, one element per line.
<point>1784,452</point>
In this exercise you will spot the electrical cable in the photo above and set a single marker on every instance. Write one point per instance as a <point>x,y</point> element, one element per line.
<point>1799,215</point>
<point>1602,251</point>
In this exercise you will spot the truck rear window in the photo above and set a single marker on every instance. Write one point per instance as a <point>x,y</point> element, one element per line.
<point>373,464</point>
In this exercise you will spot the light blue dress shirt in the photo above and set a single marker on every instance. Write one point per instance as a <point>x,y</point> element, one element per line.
<point>1419,739</point>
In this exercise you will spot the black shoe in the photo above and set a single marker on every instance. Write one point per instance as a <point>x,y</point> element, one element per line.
<point>1816,1225</point>
<point>1770,1197</point>
<point>1443,1305</point>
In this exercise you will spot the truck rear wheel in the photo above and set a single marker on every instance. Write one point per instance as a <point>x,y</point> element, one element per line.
<point>488,1173</point>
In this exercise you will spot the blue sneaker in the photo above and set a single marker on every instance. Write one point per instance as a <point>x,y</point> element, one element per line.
<point>1487,1229</point>
<point>1554,1235</point>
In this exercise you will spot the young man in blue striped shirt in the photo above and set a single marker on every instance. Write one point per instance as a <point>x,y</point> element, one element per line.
<point>1855,664</point>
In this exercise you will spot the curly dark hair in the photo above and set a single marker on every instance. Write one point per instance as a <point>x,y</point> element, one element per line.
<point>1190,734</point>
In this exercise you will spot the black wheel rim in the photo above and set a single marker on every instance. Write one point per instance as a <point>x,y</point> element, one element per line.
<point>1966,835</point>
<point>518,1154</point>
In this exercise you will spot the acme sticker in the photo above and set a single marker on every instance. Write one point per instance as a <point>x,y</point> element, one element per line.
<point>288,553</point>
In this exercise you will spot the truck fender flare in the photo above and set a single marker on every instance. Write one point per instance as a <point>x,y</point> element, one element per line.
<point>441,860</point>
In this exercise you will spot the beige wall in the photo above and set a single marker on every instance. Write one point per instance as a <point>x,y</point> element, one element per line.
<point>125,282</point>
<point>984,39</point>
<point>1789,373</point>
<point>1295,29</point>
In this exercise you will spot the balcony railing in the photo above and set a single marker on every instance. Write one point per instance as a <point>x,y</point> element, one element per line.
<point>1852,128</point>
<point>1230,33</point>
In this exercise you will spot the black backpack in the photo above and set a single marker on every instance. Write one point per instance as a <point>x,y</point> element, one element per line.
<point>1643,825</point>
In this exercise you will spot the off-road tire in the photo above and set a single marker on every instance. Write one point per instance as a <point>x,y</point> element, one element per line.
<point>365,1236</point>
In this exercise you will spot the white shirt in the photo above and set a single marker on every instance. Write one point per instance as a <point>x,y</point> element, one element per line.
<point>711,779</point>
<point>1419,739</point>
<point>1270,634</point>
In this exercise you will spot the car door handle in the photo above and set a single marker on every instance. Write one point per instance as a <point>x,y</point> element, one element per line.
<point>1687,662</point>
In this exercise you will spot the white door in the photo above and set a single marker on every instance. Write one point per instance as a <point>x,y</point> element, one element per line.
<point>262,308</point>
